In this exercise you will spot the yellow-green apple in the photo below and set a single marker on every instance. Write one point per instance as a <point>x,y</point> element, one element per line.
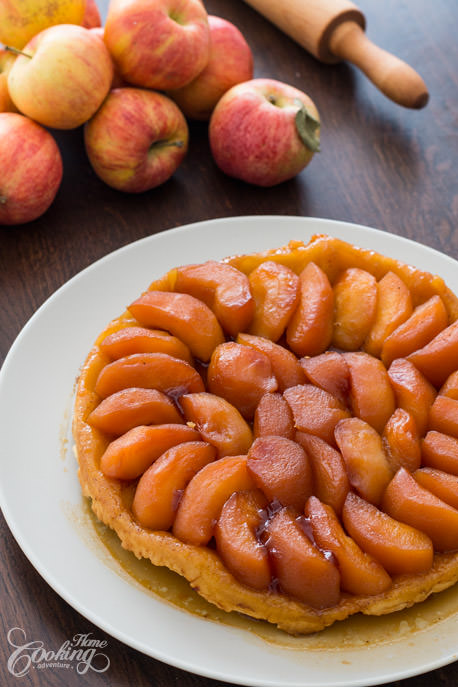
<point>136,140</point>
<point>62,77</point>
<point>159,44</point>
<point>31,169</point>
<point>264,131</point>
<point>6,62</point>
<point>91,18</point>
<point>21,20</point>
<point>230,62</point>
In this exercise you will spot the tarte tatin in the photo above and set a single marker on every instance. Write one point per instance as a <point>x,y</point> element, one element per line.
<point>281,429</point>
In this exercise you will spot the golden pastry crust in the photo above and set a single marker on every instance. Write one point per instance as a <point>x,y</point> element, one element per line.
<point>201,566</point>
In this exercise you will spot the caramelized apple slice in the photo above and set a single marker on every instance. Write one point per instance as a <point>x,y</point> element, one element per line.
<point>236,541</point>
<point>281,469</point>
<point>149,371</point>
<point>371,395</point>
<point>355,298</point>
<point>367,466</point>
<point>285,365</point>
<point>330,372</point>
<point>273,416</point>
<point>411,503</point>
<point>360,573</point>
<point>443,416</point>
<point>129,408</point>
<point>142,340</point>
<point>223,288</point>
<point>129,455</point>
<point>412,390</point>
<point>241,375</point>
<point>218,422</point>
<point>394,306</point>
<point>440,451</point>
<point>398,547</point>
<point>330,479</point>
<point>315,411</point>
<point>159,489</point>
<point>401,441</point>
<point>205,496</point>
<point>450,386</point>
<point>426,321</point>
<point>275,290</point>
<point>301,568</point>
<point>441,484</point>
<point>309,331</point>
<point>438,359</point>
<point>182,315</point>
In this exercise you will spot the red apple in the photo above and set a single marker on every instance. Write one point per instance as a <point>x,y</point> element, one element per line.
<point>62,77</point>
<point>136,140</point>
<point>230,62</point>
<point>31,169</point>
<point>91,18</point>
<point>117,81</point>
<point>264,131</point>
<point>6,62</point>
<point>160,44</point>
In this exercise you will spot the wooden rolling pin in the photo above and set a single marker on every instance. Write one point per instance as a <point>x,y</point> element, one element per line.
<point>333,30</point>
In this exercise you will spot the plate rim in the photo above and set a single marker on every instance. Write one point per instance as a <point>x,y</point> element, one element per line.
<point>60,292</point>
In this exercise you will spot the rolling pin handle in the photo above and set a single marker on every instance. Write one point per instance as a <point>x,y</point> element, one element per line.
<point>396,79</point>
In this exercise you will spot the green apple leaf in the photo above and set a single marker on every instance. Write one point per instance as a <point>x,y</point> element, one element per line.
<point>307,127</point>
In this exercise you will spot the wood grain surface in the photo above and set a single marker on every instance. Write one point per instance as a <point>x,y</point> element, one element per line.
<point>380,165</point>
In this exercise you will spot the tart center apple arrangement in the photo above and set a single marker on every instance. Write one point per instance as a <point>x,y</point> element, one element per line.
<point>282,430</point>
<point>133,84</point>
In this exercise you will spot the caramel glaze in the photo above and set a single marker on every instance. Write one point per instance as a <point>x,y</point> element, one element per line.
<point>355,632</point>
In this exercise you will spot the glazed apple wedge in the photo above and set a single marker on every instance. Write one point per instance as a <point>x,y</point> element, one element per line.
<point>223,288</point>
<point>184,316</point>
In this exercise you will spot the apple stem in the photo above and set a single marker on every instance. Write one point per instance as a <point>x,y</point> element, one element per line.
<point>17,52</point>
<point>307,127</point>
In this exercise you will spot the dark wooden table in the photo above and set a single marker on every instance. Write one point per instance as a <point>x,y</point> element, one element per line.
<point>381,165</point>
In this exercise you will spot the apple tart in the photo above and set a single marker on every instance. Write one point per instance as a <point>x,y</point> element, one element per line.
<point>281,429</point>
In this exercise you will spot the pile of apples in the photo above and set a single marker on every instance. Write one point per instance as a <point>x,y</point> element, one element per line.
<point>133,84</point>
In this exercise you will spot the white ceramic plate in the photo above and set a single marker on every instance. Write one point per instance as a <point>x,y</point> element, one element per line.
<point>39,486</point>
